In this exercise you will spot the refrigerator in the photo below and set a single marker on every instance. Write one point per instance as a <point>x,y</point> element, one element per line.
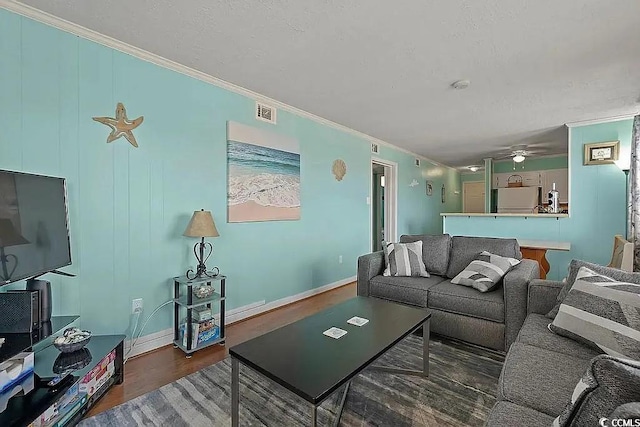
<point>518,199</point>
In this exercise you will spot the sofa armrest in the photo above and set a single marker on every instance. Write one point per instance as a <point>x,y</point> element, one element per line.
<point>369,266</point>
<point>543,295</point>
<point>516,283</point>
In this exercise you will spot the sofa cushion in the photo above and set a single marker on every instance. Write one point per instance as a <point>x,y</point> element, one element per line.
<point>435,251</point>
<point>485,333</point>
<point>407,290</point>
<point>446,296</point>
<point>535,331</point>
<point>539,379</point>
<point>404,259</point>
<point>484,272</point>
<point>465,249</point>
<point>603,313</point>
<point>574,267</point>
<point>509,414</point>
<point>607,384</point>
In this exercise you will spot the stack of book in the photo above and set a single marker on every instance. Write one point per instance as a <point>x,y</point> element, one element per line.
<point>203,327</point>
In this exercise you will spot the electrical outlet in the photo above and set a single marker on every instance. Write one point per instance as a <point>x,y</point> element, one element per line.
<point>136,306</point>
<point>340,259</point>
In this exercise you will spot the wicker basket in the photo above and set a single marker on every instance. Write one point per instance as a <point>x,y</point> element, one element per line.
<point>515,182</point>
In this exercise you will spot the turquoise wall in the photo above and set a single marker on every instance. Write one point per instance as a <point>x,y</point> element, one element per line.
<point>128,207</point>
<point>477,176</point>
<point>597,200</point>
<point>533,164</point>
<point>536,164</point>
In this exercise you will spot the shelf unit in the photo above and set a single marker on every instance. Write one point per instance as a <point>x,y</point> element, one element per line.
<point>189,301</point>
<point>24,408</point>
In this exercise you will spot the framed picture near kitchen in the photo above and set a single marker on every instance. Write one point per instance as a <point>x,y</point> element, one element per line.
<point>601,153</point>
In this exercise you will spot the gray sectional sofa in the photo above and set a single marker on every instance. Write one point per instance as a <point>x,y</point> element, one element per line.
<point>490,319</point>
<point>542,369</point>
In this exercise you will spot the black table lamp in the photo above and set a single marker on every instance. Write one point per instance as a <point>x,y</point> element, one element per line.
<point>202,225</point>
<point>9,236</point>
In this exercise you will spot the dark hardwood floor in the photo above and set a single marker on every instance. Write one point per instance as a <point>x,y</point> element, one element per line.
<point>152,370</point>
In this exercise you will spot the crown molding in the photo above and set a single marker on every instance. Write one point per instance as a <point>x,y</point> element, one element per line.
<point>94,36</point>
<point>600,121</point>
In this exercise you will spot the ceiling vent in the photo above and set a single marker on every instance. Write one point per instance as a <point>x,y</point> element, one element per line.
<point>417,162</point>
<point>266,113</point>
<point>375,149</point>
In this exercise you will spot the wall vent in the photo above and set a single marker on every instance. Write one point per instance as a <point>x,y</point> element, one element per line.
<point>266,113</point>
<point>417,162</point>
<point>374,148</point>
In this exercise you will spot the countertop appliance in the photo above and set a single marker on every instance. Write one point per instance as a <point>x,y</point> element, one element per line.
<point>518,199</point>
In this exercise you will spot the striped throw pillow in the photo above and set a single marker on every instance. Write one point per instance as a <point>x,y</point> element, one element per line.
<point>601,312</point>
<point>484,272</point>
<point>404,259</point>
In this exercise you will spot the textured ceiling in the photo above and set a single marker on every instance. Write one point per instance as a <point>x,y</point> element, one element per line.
<point>385,68</point>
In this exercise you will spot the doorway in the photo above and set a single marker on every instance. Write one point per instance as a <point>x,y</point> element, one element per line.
<point>383,202</point>
<point>473,197</point>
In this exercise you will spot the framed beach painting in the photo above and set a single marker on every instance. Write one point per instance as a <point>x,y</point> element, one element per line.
<point>263,175</point>
<point>601,153</point>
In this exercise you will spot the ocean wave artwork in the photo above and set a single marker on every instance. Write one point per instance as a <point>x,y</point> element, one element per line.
<point>263,175</point>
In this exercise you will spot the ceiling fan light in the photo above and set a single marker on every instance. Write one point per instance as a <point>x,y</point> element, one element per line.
<point>473,168</point>
<point>518,158</point>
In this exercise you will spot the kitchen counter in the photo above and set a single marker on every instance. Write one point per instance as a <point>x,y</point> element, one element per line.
<point>544,244</point>
<point>531,215</point>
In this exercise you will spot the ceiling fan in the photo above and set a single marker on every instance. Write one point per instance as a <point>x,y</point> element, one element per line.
<point>518,154</point>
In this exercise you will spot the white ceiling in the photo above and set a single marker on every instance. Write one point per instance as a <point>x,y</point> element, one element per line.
<point>385,67</point>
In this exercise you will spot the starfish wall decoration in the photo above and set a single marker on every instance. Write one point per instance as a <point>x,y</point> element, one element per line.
<point>121,126</point>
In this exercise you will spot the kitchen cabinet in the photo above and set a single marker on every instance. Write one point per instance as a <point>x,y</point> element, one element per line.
<point>561,179</point>
<point>529,179</point>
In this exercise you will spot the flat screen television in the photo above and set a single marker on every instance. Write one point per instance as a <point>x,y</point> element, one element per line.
<point>34,230</point>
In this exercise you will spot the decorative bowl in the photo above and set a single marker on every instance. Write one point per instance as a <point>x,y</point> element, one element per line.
<point>72,339</point>
<point>70,348</point>
<point>204,291</point>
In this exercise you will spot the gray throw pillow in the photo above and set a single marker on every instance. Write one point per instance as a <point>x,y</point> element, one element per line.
<point>614,273</point>
<point>602,313</point>
<point>605,391</point>
<point>464,249</point>
<point>404,259</point>
<point>484,272</point>
<point>435,250</point>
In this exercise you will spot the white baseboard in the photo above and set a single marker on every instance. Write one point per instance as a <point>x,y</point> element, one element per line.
<point>243,313</point>
<point>159,339</point>
<point>150,342</point>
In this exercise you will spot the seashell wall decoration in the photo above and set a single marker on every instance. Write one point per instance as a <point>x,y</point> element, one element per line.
<point>339,169</point>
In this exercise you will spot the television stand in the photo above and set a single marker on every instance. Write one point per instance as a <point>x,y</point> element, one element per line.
<point>64,404</point>
<point>61,273</point>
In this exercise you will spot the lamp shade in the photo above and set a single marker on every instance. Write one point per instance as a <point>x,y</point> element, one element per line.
<point>9,236</point>
<point>201,225</point>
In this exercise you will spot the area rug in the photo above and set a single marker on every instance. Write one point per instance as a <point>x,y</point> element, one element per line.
<point>461,390</point>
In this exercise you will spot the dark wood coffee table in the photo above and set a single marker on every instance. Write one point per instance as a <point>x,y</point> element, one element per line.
<point>312,366</point>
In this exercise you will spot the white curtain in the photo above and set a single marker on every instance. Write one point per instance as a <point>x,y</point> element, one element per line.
<point>633,209</point>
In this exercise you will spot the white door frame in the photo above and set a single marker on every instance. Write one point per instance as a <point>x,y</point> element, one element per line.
<point>390,197</point>
<point>463,190</point>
